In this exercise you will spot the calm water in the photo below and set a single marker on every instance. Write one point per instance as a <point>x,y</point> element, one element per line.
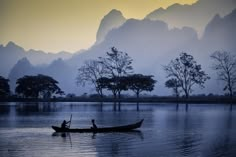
<point>201,131</point>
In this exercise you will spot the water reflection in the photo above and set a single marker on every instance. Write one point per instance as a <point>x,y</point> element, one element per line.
<point>117,144</point>
<point>5,109</point>
<point>177,106</point>
<point>36,107</point>
<point>168,130</point>
<point>61,134</point>
<point>107,144</point>
<point>190,139</point>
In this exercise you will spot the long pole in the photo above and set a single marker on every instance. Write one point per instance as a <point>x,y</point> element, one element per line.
<point>70,120</point>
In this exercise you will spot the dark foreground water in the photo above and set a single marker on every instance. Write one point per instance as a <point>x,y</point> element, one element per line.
<point>201,131</point>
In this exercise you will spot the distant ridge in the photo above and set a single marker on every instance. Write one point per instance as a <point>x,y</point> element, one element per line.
<point>112,20</point>
<point>11,53</point>
<point>196,15</point>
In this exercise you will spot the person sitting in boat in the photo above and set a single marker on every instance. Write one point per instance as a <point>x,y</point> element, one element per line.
<point>64,124</point>
<point>94,125</point>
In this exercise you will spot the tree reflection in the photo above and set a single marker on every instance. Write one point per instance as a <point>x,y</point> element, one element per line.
<point>36,107</point>
<point>114,106</point>
<point>5,108</point>
<point>177,106</point>
<point>189,141</point>
<point>137,106</point>
<point>231,106</point>
<point>186,107</point>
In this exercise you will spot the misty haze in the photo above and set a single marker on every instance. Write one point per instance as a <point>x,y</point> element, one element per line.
<point>160,85</point>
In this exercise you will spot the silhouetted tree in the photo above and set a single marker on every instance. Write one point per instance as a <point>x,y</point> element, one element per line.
<point>4,87</point>
<point>35,86</point>
<point>117,64</point>
<point>90,72</point>
<point>114,84</point>
<point>174,84</point>
<point>121,84</point>
<point>139,83</point>
<point>107,83</point>
<point>187,72</point>
<point>225,65</point>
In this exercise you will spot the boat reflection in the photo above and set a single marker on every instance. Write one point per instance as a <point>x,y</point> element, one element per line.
<point>133,133</point>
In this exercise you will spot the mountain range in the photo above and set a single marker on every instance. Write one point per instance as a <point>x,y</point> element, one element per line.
<point>196,15</point>
<point>150,43</point>
<point>11,53</point>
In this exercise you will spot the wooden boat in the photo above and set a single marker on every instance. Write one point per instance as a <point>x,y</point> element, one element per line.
<point>123,128</point>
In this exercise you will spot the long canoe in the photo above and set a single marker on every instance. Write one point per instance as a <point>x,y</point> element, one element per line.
<point>123,128</point>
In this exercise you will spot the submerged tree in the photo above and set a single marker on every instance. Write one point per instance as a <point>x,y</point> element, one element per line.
<point>139,83</point>
<point>106,72</point>
<point>175,85</point>
<point>114,84</point>
<point>4,87</point>
<point>187,72</point>
<point>35,86</point>
<point>225,65</point>
<point>109,84</point>
<point>121,84</point>
<point>90,72</point>
<point>116,64</point>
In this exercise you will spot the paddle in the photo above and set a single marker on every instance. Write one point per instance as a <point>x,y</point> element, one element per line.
<point>70,120</point>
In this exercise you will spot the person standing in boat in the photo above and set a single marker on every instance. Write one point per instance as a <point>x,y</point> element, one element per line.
<point>94,125</point>
<point>64,124</point>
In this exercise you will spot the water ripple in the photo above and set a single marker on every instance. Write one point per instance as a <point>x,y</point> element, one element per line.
<point>201,132</point>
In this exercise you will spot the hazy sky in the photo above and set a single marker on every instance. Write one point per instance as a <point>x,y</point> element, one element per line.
<point>70,25</point>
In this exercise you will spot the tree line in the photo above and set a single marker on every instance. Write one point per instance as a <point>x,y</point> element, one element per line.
<point>184,73</point>
<point>39,86</point>
<point>114,72</point>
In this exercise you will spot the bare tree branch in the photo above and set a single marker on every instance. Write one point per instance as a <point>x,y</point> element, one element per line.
<point>187,72</point>
<point>90,72</point>
<point>225,65</point>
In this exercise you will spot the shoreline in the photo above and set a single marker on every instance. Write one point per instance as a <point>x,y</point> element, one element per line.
<point>191,100</point>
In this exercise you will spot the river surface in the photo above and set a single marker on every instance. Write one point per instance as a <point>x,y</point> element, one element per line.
<point>201,130</point>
